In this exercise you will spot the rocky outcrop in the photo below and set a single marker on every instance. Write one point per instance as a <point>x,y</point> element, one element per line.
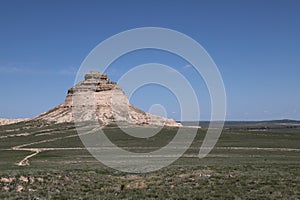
<point>10,121</point>
<point>97,98</point>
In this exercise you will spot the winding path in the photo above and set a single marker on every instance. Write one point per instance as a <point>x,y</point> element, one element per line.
<point>25,161</point>
<point>35,151</point>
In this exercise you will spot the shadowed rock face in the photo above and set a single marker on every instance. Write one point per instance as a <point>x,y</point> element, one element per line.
<point>98,99</point>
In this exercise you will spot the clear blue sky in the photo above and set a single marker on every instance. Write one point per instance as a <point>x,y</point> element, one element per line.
<point>255,44</point>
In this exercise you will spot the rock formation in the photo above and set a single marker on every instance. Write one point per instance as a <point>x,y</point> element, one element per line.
<point>97,98</point>
<point>10,121</point>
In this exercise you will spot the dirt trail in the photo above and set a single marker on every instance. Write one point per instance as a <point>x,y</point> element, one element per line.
<point>25,161</point>
<point>15,135</point>
<point>35,151</point>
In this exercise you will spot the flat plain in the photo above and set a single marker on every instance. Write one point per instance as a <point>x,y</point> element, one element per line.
<point>252,160</point>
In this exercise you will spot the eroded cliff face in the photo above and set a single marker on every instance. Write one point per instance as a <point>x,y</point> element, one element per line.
<point>98,99</point>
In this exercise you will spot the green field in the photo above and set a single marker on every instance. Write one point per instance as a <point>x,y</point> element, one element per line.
<point>252,160</point>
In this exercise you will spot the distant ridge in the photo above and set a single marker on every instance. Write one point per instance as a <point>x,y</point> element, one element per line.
<point>257,125</point>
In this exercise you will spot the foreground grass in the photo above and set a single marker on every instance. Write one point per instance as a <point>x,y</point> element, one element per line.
<point>202,182</point>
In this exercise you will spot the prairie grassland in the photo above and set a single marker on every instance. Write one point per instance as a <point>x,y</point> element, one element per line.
<point>248,162</point>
